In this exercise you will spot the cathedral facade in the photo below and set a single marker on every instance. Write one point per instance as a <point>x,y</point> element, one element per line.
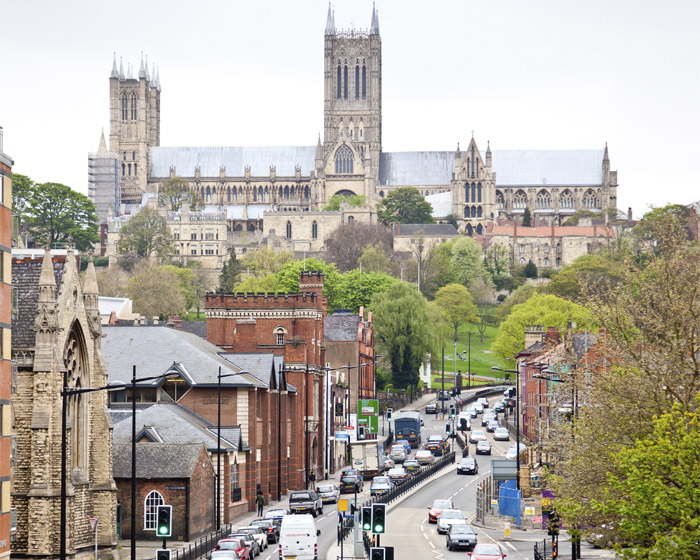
<point>479,186</point>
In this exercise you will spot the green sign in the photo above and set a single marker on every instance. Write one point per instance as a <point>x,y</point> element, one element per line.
<point>368,415</point>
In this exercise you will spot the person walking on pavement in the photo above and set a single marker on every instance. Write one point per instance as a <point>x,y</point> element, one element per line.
<point>260,500</point>
<point>312,481</point>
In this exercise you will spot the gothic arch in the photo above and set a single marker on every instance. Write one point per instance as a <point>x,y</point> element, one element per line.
<point>543,200</point>
<point>566,200</point>
<point>75,360</point>
<point>344,159</point>
<point>500,201</point>
<point>520,200</point>
<point>590,199</point>
<point>150,510</point>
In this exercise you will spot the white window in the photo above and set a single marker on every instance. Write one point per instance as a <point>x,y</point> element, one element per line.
<point>150,510</point>
<point>280,333</point>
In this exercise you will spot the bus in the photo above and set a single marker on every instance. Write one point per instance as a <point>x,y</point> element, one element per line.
<point>407,426</point>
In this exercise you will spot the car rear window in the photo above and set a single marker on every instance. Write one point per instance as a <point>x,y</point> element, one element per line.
<point>325,489</point>
<point>300,497</point>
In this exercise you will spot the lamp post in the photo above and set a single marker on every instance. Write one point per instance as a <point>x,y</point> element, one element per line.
<point>134,381</point>
<point>65,393</point>
<point>517,418</point>
<point>219,377</point>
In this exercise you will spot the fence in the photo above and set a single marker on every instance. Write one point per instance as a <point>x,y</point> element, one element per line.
<point>541,551</point>
<point>203,545</point>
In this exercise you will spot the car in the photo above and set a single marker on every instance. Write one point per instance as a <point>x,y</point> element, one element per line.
<point>461,536</point>
<point>424,457</point>
<point>329,493</point>
<point>224,555</point>
<point>483,447</point>
<point>483,401</point>
<point>468,465</point>
<point>487,551</point>
<point>275,515</point>
<point>268,525</point>
<point>398,475</point>
<point>398,453</point>
<point>434,447</point>
<point>500,406</point>
<point>439,439</point>
<point>501,434</point>
<point>389,463</point>
<point>476,436</point>
<point>412,465</point>
<point>235,544</point>
<point>351,481</point>
<point>435,510</point>
<point>305,501</point>
<point>431,408</point>
<point>380,485</point>
<point>479,408</point>
<point>250,541</point>
<point>472,412</point>
<point>257,532</point>
<point>512,452</point>
<point>449,517</point>
<point>487,417</point>
<point>443,396</point>
<point>492,426</point>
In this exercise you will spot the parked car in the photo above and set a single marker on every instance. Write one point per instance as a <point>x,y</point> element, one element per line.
<point>236,544</point>
<point>431,408</point>
<point>449,517</point>
<point>412,465</point>
<point>437,507</point>
<point>398,475</point>
<point>501,434</point>
<point>250,542</point>
<point>487,551</point>
<point>305,501</point>
<point>398,453</point>
<point>329,493</point>
<point>268,525</point>
<point>380,485</point>
<point>483,447</point>
<point>351,481</point>
<point>468,465</point>
<point>461,536</point>
<point>424,457</point>
<point>257,532</point>
<point>224,555</point>
<point>476,436</point>
<point>275,515</point>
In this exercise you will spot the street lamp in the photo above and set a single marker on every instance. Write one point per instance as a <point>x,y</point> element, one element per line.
<point>517,418</point>
<point>65,393</point>
<point>218,443</point>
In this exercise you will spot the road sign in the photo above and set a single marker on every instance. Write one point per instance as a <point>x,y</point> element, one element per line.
<point>368,414</point>
<point>342,435</point>
<point>343,505</point>
<point>93,523</point>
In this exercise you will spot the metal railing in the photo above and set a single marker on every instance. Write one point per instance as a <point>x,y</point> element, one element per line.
<point>203,545</point>
<point>541,551</point>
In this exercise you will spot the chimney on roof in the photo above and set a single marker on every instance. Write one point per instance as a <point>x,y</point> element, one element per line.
<point>534,334</point>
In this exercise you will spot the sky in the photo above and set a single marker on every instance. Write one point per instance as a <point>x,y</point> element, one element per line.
<point>536,74</point>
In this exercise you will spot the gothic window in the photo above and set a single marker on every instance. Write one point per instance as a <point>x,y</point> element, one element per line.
<point>558,247</point>
<point>75,361</point>
<point>193,250</point>
<point>208,196</point>
<point>289,230</point>
<point>260,194</point>
<point>567,199</point>
<point>466,192</point>
<point>545,262</point>
<point>381,194</point>
<point>478,212</point>
<point>125,107</point>
<point>135,173</point>
<point>339,80</point>
<point>521,248</point>
<point>267,195</point>
<point>314,230</point>
<point>133,156</point>
<point>469,230</point>
<point>478,192</point>
<point>473,211</point>
<point>228,194</point>
<point>473,158</point>
<point>520,200</point>
<point>479,229</point>
<point>306,193</point>
<point>357,81</point>
<point>590,200</point>
<point>500,202</point>
<point>473,192</point>
<point>558,262</point>
<point>543,201</point>
<point>466,211</point>
<point>128,166</point>
<point>291,191</point>
<point>343,160</point>
<point>546,248</point>
<point>345,82</point>
<point>364,82</point>
<point>150,510</point>
<point>286,192</point>
<point>255,194</point>
<point>123,169</point>
<point>133,106</point>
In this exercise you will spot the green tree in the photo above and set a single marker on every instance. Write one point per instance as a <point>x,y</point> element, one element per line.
<point>146,234</point>
<point>374,259</point>
<point>187,281</point>
<point>353,200</point>
<point>257,285</point>
<point>403,331</point>
<point>527,218</point>
<point>546,310</point>
<point>230,274</point>
<point>586,271</point>
<point>355,289</point>
<point>288,277</point>
<point>452,219</point>
<point>156,291</point>
<point>482,290</point>
<point>54,213</point>
<point>497,259</point>
<point>345,244</point>
<point>457,305</point>
<point>467,260</point>
<point>265,261</point>
<point>175,191</point>
<point>530,270</point>
<point>405,205</point>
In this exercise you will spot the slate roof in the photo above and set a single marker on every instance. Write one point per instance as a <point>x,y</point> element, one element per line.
<point>583,342</point>
<point>157,460</point>
<point>25,281</point>
<point>156,350</point>
<point>261,364</point>
<point>174,423</point>
<point>341,327</point>
<point>416,168</point>
<point>429,230</point>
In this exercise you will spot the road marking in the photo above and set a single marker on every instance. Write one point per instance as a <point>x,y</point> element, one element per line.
<point>431,545</point>
<point>510,545</point>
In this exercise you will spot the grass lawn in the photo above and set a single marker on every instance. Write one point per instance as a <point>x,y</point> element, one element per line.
<point>194,316</point>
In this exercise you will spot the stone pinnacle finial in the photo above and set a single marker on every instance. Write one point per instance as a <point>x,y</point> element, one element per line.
<point>330,23</point>
<point>115,72</point>
<point>142,69</point>
<point>121,69</point>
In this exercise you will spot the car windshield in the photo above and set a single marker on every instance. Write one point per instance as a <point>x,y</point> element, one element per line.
<point>467,462</point>
<point>325,489</point>
<point>442,504</point>
<point>487,549</point>
<point>245,536</point>
<point>449,514</point>
<point>300,497</point>
<point>462,530</point>
<point>275,513</point>
<point>262,523</point>
<point>380,484</point>
<point>478,433</point>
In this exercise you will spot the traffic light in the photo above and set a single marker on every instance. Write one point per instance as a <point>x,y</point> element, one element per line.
<point>163,554</point>
<point>377,553</point>
<point>366,518</point>
<point>164,527</point>
<point>555,548</point>
<point>389,412</point>
<point>448,428</point>
<point>553,523</point>
<point>452,411</point>
<point>388,553</point>
<point>378,519</point>
<point>361,432</point>
<point>463,424</point>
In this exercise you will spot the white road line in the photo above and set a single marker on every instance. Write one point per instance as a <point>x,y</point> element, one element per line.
<point>510,545</point>
<point>431,545</point>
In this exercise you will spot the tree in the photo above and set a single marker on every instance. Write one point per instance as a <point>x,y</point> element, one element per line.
<point>403,331</point>
<point>113,282</point>
<point>497,259</point>
<point>155,291</point>
<point>530,270</point>
<point>353,200</point>
<point>230,274</point>
<point>187,281</point>
<point>54,213</point>
<point>482,290</point>
<point>146,234</point>
<point>374,259</point>
<point>288,277</point>
<point>265,261</point>
<point>175,191</point>
<point>346,243</point>
<point>257,285</point>
<point>405,205</point>
<point>520,295</point>
<point>546,310</point>
<point>467,260</point>
<point>527,218</point>
<point>457,305</point>
<point>588,270</point>
<point>452,219</point>
<point>355,289</point>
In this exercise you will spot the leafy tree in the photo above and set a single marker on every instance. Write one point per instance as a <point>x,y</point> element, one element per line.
<point>230,274</point>
<point>405,205</point>
<point>648,231</point>
<point>433,264</point>
<point>457,305</point>
<point>403,331</point>
<point>530,270</point>
<point>546,310</point>
<point>482,291</point>
<point>146,234</point>
<point>346,243</point>
<point>467,260</point>
<point>355,289</point>
<point>54,213</point>
<point>353,200</point>
<point>452,219</point>
<point>265,261</point>
<point>527,218</point>
<point>113,282</point>
<point>520,295</point>
<point>175,192</point>
<point>156,291</point>
<point>374,259</point>
<point>258,285</point>
<point>187,280</point>
<point>497,259</point>
<point>288,277</point>
<point>586,271</point>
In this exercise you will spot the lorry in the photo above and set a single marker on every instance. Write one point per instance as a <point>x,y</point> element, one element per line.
<point>368,457</point>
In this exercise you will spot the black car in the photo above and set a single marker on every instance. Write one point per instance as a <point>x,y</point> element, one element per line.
<point>269,526</point>
<point>468,465</point>
<point>351,481</point>
<point>499,407</point>
<point>431,408</point>
<point>461,536</point>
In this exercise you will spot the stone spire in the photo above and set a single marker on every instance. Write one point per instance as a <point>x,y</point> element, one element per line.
<point>488,153</point>
<point>91,298</point>
<point>374,28</point>
<point>158,79</point>
<point>46,321</point>
<point>148,76</point>
<point>142,69</point>
<point>47,281</point>
<point>121,70</point>
<point>102,148</point>
<point>115,72</point>
<point>330,23</point>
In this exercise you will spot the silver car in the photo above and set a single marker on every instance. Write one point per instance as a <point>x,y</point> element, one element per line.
<point>398,453</point>
<point>449,517</point>
<point>329,493</point>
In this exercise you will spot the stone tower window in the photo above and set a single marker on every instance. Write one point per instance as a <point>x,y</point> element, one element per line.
<point>75,360</point>
<point>567,200</point>
<point>343,160</point>
<point>364,82</point>
<point>500,202</point>
<point>289,230</point>
<point>314,230</point>
<point>590,200</point>
<point>339,80</point>
<point>543,199</point>
<point>479,228</point>
<point>345,82</point>
<point>520,200</point>
<point>150,510</point>
<point>473,192</point>
<point>478,192</point>
<point>133,106</point>
<point>125,107</point>
<point>357,81</point>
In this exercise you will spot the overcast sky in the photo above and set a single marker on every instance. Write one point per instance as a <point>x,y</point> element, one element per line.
<point>523,74</point>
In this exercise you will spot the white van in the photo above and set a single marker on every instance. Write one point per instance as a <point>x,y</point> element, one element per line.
<point>299,538</point>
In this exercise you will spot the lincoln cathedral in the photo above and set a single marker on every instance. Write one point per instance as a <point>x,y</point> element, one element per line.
<point>278,193</point>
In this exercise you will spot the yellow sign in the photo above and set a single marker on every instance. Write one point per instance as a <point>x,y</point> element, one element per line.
<point>343,505</point>
<point>494,502</point>
<point>546,502</point>
<point>507,529</point>
<point>530,510</point>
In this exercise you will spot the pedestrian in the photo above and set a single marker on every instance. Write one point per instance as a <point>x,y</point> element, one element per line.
<point>312,481</point>
<point>260,500</point>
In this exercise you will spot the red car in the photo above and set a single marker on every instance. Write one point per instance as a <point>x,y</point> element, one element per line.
<point>436,509</point>
<point>234,544</point>
<point>487,551</point>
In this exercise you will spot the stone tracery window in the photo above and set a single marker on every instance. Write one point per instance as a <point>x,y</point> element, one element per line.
<point>520,200</point>
<point>344,160</point>
<point>500,201</point>
<point>543,200</point>
<point>590,200</point>
<point>289,230</point>
<point>150,510</point>
<point>566,199</point>
<point>77,373</point>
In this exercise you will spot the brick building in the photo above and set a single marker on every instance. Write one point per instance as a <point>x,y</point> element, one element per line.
<point>288,325</point>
